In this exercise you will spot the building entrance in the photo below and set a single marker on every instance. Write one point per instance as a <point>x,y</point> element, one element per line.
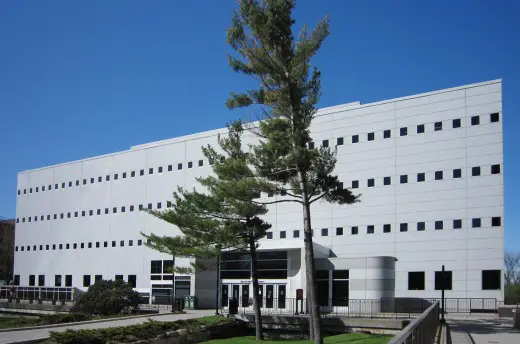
<point>272,295</point>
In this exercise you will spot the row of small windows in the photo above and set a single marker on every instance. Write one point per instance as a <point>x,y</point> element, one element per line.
<point>115,176</point>
<point>58,280</point>
<point>75,245</point>
<point>491,280</point>
<point>403,131</point>
<point>403,227</point>
<point>93,212</point>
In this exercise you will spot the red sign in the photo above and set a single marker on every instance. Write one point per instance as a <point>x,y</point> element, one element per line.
<point>299,294</point>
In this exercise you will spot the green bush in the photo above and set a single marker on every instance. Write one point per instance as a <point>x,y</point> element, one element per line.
<point>512,294</point>
<point>64,318</point>
<point>147,330</point>
<point>107,297</point>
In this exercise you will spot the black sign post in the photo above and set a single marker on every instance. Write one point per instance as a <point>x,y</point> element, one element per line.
<point>443,286</point>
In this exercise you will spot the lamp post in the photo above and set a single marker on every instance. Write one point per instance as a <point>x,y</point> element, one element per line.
<point>218,285</point>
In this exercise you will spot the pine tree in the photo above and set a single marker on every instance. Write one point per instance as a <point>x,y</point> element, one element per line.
<point>222,216</point>
<point>261,35</point>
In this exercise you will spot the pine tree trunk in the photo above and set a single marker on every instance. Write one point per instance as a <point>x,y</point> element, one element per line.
<point>256,290</point>
<point>310,270</point>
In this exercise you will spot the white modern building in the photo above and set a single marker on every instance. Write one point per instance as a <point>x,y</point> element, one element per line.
<point>429,169</point>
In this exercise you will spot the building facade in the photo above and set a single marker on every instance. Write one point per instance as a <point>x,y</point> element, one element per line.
<point>429,169</point>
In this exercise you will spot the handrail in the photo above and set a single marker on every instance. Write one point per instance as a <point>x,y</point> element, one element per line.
<point>422,329</point>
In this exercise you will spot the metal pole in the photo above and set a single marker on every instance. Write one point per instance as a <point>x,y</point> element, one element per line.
<point>173,283</point>
<point>443,281</point>
<point>218,285</point>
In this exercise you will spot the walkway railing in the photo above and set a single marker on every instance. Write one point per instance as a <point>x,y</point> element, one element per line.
<point>37,293</point>
<point>421,330</point>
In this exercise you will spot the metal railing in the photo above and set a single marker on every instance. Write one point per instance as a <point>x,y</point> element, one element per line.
<point>37,293</point>
<point>421,330</point>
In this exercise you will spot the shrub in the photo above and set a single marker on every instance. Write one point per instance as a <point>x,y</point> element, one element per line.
<point>107,297</point>
<point>64,318</point>
<point>512,294</point>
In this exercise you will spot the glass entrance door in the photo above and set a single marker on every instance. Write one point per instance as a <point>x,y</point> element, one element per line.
<point>245,295</point>
<point>224,298</point>
<point>269,296</point>
<point>281,295</point>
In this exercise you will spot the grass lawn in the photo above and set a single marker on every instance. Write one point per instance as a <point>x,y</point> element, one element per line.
<point>8,322</point>
<point>355,338</point>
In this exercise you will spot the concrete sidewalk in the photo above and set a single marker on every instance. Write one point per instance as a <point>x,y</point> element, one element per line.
<point>481,329</point>
<point>39,334</point>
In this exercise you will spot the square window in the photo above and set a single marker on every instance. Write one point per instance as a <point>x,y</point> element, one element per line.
<point>159,170</point>
<point>438,175</point>
<point>159,205</point>
<point>370,182</point>
<point>421,226</point>
<point>97,244</point>
<point>421,177</point>
<point>56,185</point>
<point>354,230</point>
<point>370,137</point>
<point>457,224</point>
<point>113,243</point>
<point>475,120</point>
<point>92,180</point>
<point>439,225</point>
<point>355,184</point>
<point>420,129</point>
<point>339,141</point>
<point>296,233</point>
<point>67,246</point>
<point>475,171</point>
<point>282,234</point>
<point>494,117</point>
<point>201,163</point>
<point>404,179</point>
<point>122,243</point>
<point>179,166</point>
<point>63,185</point>
<point>370,229</point>
<point>56,216</point>
<point>495,169</point>
<point>387,228</point>
<point>131,208</point>
<point>105,244</point>
<point>491,279</point>
<point>82,245</point>
<point>123,209</point>
<point>403,227</point>
<point>457,173</point>
<point>311,145</point>
<point>324,232</point>
<point>48,217</point>
<point>456,123</point>
<point>476,222</point>
<point>130,243</point>
<point>437,126</point>
<point>339,231</point>
<point>140,207</point>
<point>149,206</point>
<point>114,210</point>
<point>100,179</point>
<point>387,134</point>
<point>89,245</point>
<point>116,176</point>
<point>170,168</point>
<point>190,164</point>
<point>403,131</point>
<point>132,174</point>
<point>150,170</point>
<point>387,180</point>
<point>91,212</point>
<point>269,235</point>
<point>355,138</point>
<point>496,221</point>
<point>106,210</point>
<point>443,281</point>
<point>325,143</point>
<point>141,172</point>
<point>416,280</point>
<point>124,175</point>
<point>107,177</point>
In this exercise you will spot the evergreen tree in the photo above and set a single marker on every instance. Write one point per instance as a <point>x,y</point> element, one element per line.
<point>261,35</point>
<point>222,216</point>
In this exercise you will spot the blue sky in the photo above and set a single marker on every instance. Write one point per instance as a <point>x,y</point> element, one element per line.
<point>83,78</point>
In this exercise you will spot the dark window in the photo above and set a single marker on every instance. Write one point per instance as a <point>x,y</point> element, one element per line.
<point>141,172</point>
<point>106,210</point>
<point>150,170</point>
<point>132,280</point>
<point>491,280</point>
<point>339,141</point>
<point>494,117</point>
<point>283,234</point>
<point>387,134</point>
<point>179,166</point>
<point>159,205</point>
<point>416,280</point>
<point>403,227</point>
<point>83,213</point>
<point>475,171</point>
<point>60,246</point>
<point>86,280</point>
<point>311,145</point>
<point>57,280</point>
<point>131,208</point>
<point>439,225</point>
<point>16,280</point>
<point>92,180</point>
<point>116,176</point>
<point>25,191</point>
<point>32,280</point>
<point>19,191</point>
<point>140,207</point>
<point>420,129</point>
<point>370,137</point>
<point>113,243</point>
<point>75,246</point>
<point>132,174</point>
<point>456,123</point>
<point>170,168</point>
<point>437,126</point>
<point>269,235</point>
<point>47,247</point>
<point>355,138</point>
<point>130,243</point>
<point>82,245</point>
<point>190,164</point>
<point>67,246</point>
<point>124,175</point>
<point>105,244</point>
<point>91,212</point>
<point>41,280</point>
<point>421,226</point>
<point>355,184</point>
<point>107,177</point>
<point>36,189</point>
<point>370,182</point>
<point>68,280</point>
<point>404,179</point>
<point>370,229</point>
<point>100,179</point>
<point>324,232</point>
<point>122,243</point>
<point>403,131</point>
<point>476,222</point>
<point>387,228</point>
<point>159,170</point>
<point>89,245</point>
<point>325,143</point>
<point>421,177</point>
<point>457,173</point>
<point>496,221</point>
<point>457,224</point>
<point>354,230</point>
<point>114,210</point>
<point>139,242</point>
<point>443,283</point>
<point>339,231</point>
<point>68,216</point>
<point>438,175</point>
<point>495,169</point>
<point>98,212</point>
<point>387,180</point>
<point>97,244</point>
<point>123,209</point>
<point>475,120</point>
<point>149,206</point>
<point>296,233</point>
<point>201,163</point>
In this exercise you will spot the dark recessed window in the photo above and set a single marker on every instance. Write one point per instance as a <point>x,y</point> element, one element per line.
<point>269,235</point>
<point>179,166</point>
<point>92,180</point>
<point>355,138</point>
<point>443,280</point>
<point>159,170</point>
<point>86,280</point>
<point>48,217</point>
<point>75,246</point>
<point>107,177</point>
<point>456,123</point>
<point>63,185</point>
<point>149,206</point>
<point>403,227</point>
<point>114,210</point>
<point>370,137</point>
<point>141,172</point>
<point>370,229</point>
<point>439,225</point>
<point>105,244</point>
<point>387,180</point>
<point>324,232</point>
<point>201,163</point>
<point>150,170</point>
<point>387,134</point>
<point>457,173</point>
<point>122,243</point>
<point>131,208</point>
<point>354,230</point>
<point>339,231</point>
<point>355,184</point>
<point>421,177</point>
<point>416,280</point>
<point>124,175</point>
<point>438,175</point>
<point>494,117</point>
<point>159,205</point>
<point>91,212</point>
<point>475,171</point>
<point>139,242</point>
<point>496,221</point>
<point>370,182</point>
<point>170,168</point>
<point>296,233</point>
<point>339,141</point>
<point>140,207</point>
<point>113,243</point>
<point>82,245</point>
<point>476,222</point>
<point>89,245</point>
<point>403,179</point>
<point>495,169</point>
<point>97,244</point>
<point>491,280</point>
<point>67,246</point>
<point>420,129</point>
<point>106,210</point>
<point>403,131</point>
<point>457,224</point>
<point>132,174</point>
<point>387,228</point>
<point>282,234</point>
<point>421,226</point>
<point>311,145</point>
<point>116,176</point>
<point>325,143</point>
<point>123,209</point>
<point>98,212</point>
<point>437,126</point>
<point>130,243</point>
<point>100,179</point>
<point>190,164</point>
<point>475,120</point>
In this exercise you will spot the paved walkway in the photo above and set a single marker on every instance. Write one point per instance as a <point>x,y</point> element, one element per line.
<point>481,329</point>
<point>20,336</point>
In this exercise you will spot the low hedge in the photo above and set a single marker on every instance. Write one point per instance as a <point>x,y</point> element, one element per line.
<point>148,330</point>
<point>14,322</point>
